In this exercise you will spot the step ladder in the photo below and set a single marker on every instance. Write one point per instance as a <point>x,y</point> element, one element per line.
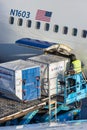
<point>52,110</point>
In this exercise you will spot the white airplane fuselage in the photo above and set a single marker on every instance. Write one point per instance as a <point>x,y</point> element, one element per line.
<point>67,25</point>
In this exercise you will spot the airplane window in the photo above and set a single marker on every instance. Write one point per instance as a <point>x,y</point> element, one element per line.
<point>29,22</point>
<point>74,31</point>
<point>84,33</point>
<point>47,27</point>
<point>65,30</point>
<point>11,20</point>
<point>38,25</point>
<point>20,21</point>
<point>55,29</point>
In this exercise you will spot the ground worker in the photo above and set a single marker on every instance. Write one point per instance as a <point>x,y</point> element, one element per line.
<point>75,68</point>
<point>75,64</point>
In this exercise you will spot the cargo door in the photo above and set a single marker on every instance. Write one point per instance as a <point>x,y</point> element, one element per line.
<point>31,83</point>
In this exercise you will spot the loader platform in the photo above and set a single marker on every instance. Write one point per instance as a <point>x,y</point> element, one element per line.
<point>10,109</point>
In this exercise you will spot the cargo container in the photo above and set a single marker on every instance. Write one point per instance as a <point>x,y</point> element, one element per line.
<point>22,78</point>
<point>52,70</point>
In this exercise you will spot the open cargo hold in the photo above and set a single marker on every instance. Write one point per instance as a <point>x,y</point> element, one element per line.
<point>21,78</point>
<point>52,70</point>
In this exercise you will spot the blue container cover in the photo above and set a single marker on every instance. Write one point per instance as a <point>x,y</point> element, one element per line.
<point>31,84</point>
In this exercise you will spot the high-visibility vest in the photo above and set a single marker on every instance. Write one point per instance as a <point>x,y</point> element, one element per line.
<point>77,66</point>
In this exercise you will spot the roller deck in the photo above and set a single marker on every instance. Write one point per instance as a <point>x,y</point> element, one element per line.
<point>10,109</point>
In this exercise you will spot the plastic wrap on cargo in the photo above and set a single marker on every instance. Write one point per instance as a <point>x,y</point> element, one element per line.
<point>6,79</point>
<point>52,70</point>
<point>22,78</point>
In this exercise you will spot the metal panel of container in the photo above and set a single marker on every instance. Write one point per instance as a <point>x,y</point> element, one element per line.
<point>52,68</point>
<point>22,78</point>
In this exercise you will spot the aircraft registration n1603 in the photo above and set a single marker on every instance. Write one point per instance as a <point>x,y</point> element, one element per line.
<point>19,13</point>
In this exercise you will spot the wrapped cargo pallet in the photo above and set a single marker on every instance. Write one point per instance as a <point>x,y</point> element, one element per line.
<point>52,70</point>
<point>21,78</point>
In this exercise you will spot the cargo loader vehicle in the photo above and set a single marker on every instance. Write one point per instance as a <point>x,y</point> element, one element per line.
<point>54,97</point>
